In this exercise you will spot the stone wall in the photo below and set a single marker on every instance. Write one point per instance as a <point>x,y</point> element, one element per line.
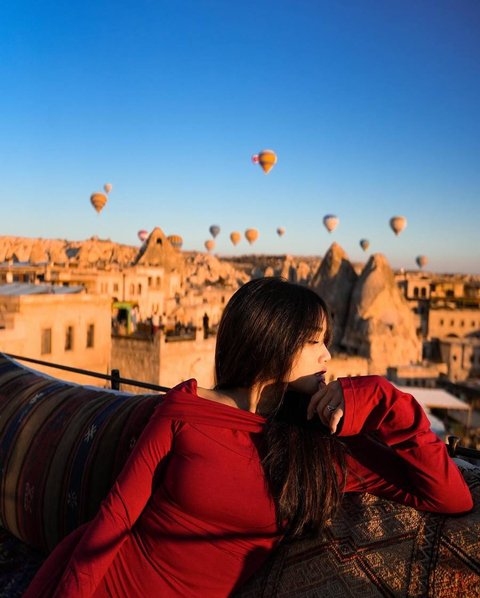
<point>163,362</point>
<point>137,358</point>
<point>182,360</point>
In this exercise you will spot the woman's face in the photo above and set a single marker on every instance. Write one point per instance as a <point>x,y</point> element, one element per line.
<point>309,366</point>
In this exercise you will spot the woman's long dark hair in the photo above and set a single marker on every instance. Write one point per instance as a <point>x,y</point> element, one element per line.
<point>263,327</point>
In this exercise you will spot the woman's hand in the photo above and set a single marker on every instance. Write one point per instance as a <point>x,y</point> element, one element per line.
<point>328,403</point>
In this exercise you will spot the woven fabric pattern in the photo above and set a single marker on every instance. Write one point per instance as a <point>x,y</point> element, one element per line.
<point>61,447</point>
<point>375,548</point>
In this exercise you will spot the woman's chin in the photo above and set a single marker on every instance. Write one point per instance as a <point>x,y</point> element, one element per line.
<point>306,384</point>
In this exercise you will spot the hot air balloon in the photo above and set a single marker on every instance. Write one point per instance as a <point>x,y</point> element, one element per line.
<point>280,231</point>
<point>98,200</point>
<point>255,158</point>
<point>397,224</point>
<point>214,230</point>
<point>364,244</point>
<point>267,160</point>
<point>421,260</point>
<point>176,241</point>
<point>209,245</point>
<point>107,187</point>
<point>330,222</point>
<point>142,235</point>
<point>251,234</point>
<point>235,237</point>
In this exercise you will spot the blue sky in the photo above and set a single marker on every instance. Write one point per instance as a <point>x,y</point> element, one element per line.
<point>372,108</point>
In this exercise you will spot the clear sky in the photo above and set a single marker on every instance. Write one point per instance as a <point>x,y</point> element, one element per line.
<point>373,108</point>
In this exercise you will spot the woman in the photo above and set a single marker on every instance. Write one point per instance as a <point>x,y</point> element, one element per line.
<point>220,476</point>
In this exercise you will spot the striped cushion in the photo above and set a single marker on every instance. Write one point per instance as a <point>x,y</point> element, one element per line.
<point>61,447</point>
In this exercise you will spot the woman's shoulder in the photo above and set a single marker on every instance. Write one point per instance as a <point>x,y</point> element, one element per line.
<point>189,403</point>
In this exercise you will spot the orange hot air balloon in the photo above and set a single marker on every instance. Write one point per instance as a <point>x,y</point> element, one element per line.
<point>251,234</point>
<point>235,237</point>
<point>98,200</point>
<point>267,160</point>
<point>421,260</point>
<point>364,244</point>
<point>280,231</point>
<point>176,241</point>
<point>330,222</point>
<point>397,224</point>
<point>107,187</point>
<point>142,235</point>
<point>209,245</point>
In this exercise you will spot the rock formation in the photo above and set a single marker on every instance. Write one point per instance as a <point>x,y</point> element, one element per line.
<point>158,251</point>
<point>380,324</point>
<point>203,268</point>
<point>334,282</point>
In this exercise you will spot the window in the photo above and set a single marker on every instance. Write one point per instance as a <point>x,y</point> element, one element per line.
<point>441,322</point>
<point>90,335</point>
<point>115,287</point>
<point>132,289</point>
<point>149,281</point>
<point>69,338</point>
<point>159,281</point>
<point>415,292</point>
<point>423,292</point>
<point>46,341</point>
<point>139,287</point>
<point>452,322</point>
<point>462,323</point>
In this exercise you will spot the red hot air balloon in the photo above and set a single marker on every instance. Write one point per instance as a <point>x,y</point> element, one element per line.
<point>142,235</point>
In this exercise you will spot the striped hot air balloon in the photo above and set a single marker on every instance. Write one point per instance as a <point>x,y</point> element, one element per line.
<point>98,201</point>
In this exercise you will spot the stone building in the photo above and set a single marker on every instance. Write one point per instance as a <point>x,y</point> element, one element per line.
<point>56,324</point>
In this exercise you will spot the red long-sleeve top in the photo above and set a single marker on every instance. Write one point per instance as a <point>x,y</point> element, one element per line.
<point>190,514</point>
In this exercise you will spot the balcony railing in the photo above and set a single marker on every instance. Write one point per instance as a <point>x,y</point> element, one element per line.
<point>453,442</point>
<point>114,378</point>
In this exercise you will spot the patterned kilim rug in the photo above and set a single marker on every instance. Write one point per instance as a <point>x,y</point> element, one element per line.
<point>374,548</point>
<point>377,548</point>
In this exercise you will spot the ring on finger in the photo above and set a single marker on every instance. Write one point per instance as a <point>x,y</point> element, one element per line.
<point>331,408</point>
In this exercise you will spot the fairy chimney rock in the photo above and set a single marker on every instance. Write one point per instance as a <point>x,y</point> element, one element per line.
<point>158,251</point>
<point>334,282</point>
<point>380,324</point>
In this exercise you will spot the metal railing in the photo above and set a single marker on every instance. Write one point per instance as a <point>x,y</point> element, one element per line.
<point>114,378</point>
<point>453,446</point>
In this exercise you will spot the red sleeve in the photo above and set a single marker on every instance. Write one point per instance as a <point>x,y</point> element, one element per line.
<point>106,533</point>
<point>393,452</point>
